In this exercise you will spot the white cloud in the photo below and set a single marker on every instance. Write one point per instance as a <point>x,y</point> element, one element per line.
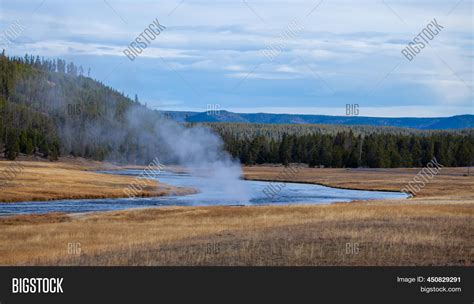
<point>351,45</point>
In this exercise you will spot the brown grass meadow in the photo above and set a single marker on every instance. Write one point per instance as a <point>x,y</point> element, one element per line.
<point>71,179</point>
<point>434,228</point>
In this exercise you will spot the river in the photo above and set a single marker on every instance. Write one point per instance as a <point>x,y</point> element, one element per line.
<point>209,195</point>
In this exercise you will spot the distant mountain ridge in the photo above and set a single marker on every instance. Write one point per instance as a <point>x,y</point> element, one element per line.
<point>428,123</point>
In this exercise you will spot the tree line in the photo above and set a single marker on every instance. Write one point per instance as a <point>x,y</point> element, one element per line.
<point>345,149</point>
<point>50,108</point>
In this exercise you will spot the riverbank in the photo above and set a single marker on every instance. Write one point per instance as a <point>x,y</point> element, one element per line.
<point>449,182</point>
<point>378,233</point>
<point>71,179</point>
<point>434,228</point>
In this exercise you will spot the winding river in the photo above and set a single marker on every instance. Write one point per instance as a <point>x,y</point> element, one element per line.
<point>209,194</point>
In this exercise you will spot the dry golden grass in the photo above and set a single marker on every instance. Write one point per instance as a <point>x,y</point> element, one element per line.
<point>435,228</point>
<point>43,181</point>
<point>270,235</point>
<point>449,182</point>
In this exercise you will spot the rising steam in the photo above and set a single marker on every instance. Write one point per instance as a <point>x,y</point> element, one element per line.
<point>140,135</point>
<point>197,148</point>
<point>201,151</point>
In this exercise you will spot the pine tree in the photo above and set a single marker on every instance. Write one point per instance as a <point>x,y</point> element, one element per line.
<point>313,160</point>
<point>416,152</point>
<point>285,150</point>
<point>325,151</point>
<point>428,152</point>
<point>12,146</point>
<point>353,159</point>
<point>464,154</point>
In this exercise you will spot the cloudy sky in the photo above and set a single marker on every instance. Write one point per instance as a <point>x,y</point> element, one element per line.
<point>213,52</point>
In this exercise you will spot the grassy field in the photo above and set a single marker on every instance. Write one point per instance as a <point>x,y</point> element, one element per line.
<point>449,183</point>
<point>69,179</point>
<point>435,228</point>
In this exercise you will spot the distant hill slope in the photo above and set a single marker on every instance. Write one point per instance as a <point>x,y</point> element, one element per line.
<point>436,123</point>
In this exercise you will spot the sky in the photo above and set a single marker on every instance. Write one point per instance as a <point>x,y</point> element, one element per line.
<point>307,57</point>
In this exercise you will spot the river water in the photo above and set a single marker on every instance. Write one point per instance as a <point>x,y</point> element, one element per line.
<point>209,194</point>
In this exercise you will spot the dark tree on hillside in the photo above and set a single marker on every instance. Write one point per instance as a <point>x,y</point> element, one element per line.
<point>12,145</point>
<point>416,152</point>
<point>285,150</point>
<point>464,154</point>
<point>314,157</point>
<point>325,151</point>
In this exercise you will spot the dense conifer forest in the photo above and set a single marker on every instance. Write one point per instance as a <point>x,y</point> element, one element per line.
<point>50,108</point>
<point>346,149</point>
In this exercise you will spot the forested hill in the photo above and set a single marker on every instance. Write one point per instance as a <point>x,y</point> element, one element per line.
<point>436,123</point>
<point>50,108</point>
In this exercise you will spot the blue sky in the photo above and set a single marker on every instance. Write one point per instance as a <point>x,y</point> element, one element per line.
<point>212,52</point>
